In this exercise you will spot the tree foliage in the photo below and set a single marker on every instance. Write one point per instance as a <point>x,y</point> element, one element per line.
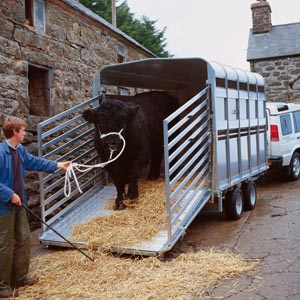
<point>142,30</point>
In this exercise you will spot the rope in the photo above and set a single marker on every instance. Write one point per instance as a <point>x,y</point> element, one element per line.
<point>70,173</point>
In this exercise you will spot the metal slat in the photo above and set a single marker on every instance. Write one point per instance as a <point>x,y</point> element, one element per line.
<point>185,168</point>
<point>68,112</point>
<point>187,204</point>
<point>187,129</point>
<point>62,136</point>
<point>189,188</point>
<point>188,177</point>
<point>187,117</point>
<point>61,191</point>
<point>186,105</point>
<point>187,142</point>
<point>90,159</point>
<point>61,126</point>
<point>187,153</point>
<point>177,190</point>
<point>69,144</point>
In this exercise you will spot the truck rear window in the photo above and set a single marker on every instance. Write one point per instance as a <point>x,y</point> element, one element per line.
<point>286,124</point>
<point>297,120</point>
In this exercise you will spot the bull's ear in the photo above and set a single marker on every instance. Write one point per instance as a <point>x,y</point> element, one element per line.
<point>88,115</point>
<point>133,109</point>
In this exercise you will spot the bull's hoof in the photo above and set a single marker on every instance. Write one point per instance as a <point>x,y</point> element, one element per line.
<point>132,195</point>
<point>119,206</point>
<point>131,202</point>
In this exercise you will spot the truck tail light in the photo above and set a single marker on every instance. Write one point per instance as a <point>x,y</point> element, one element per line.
<point>274,133</point>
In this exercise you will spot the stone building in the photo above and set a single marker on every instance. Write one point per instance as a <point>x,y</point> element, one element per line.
<point>51,52</point>
<point>274,52</point>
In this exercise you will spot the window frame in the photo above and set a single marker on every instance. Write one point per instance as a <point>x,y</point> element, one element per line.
<point>296,117</point>
<point>32,15</point>
<point>286,128</point>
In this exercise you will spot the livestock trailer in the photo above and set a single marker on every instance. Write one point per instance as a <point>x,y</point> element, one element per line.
<point>215,147</point>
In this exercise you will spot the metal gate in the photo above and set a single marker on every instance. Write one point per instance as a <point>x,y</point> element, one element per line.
<point>187,150</point>
<point>67,136</point>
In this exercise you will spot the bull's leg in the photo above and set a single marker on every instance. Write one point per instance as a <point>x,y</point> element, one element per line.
<point>133,174</point>
<point>156,158</point>
<point>119,205</point>
<point>119,181</point>
<point>133,192</point>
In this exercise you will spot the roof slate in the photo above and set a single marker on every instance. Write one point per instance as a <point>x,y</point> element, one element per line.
<point>282,40</point>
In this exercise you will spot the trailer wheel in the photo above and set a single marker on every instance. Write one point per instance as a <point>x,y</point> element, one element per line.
<point>294,167</point>
<point>250,196</point>
<point>234,202</point>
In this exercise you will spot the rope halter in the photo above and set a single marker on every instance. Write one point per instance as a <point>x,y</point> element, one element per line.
<point>85,168</point>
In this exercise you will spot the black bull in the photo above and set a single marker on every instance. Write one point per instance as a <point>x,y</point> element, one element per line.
<point>141,122</point>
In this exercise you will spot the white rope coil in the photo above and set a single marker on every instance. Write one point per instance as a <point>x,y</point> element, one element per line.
<point>85,168</point>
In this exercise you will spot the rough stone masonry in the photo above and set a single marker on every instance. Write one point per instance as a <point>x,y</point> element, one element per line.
<point>43,73</point>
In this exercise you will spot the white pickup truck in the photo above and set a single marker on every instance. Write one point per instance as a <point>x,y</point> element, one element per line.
<point>284,138</point>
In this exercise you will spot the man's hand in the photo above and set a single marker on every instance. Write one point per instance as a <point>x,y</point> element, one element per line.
<point>63,165</point>
<point>15,199</point>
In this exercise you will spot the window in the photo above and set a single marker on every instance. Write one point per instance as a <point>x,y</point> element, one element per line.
<point>39,88</point>
<point>286,124</point>
<point>35,11</point>
<point>123,91</point>
<point>121,53</point>
<point>297,120</point>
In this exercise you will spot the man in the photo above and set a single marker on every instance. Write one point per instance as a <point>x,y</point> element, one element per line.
<point>15,244</point>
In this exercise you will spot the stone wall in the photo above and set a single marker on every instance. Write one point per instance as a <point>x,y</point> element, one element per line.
<point>282,78</point>
<point>73,49</point>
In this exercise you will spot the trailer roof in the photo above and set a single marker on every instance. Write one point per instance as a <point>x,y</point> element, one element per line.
<point>172,73</point>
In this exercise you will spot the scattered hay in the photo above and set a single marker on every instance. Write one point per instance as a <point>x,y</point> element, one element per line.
<point>69,275</point>
<point>138,222</point>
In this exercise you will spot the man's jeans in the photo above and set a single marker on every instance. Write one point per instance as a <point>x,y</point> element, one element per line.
<point>15,246</point>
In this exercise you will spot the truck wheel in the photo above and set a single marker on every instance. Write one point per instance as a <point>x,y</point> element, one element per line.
<point>294,167</point>
<point>250,196</point>
<point>234,202</point>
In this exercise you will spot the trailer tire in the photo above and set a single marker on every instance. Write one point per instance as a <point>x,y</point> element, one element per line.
<point>250,195</point>
<point>234,203</point>
<point>294,167</point>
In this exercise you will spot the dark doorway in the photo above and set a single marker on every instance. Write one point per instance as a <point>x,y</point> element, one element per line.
<point>39,91</point>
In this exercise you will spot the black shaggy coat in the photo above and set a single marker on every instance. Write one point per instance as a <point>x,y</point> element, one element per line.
<point>141,122</point>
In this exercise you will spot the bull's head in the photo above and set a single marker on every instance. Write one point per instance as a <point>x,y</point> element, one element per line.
<point>111,116</point>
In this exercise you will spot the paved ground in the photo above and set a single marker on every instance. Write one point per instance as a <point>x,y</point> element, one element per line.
<point>270,233</point>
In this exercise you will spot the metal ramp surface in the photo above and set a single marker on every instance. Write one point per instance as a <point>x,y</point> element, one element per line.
<point>94,204</point>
